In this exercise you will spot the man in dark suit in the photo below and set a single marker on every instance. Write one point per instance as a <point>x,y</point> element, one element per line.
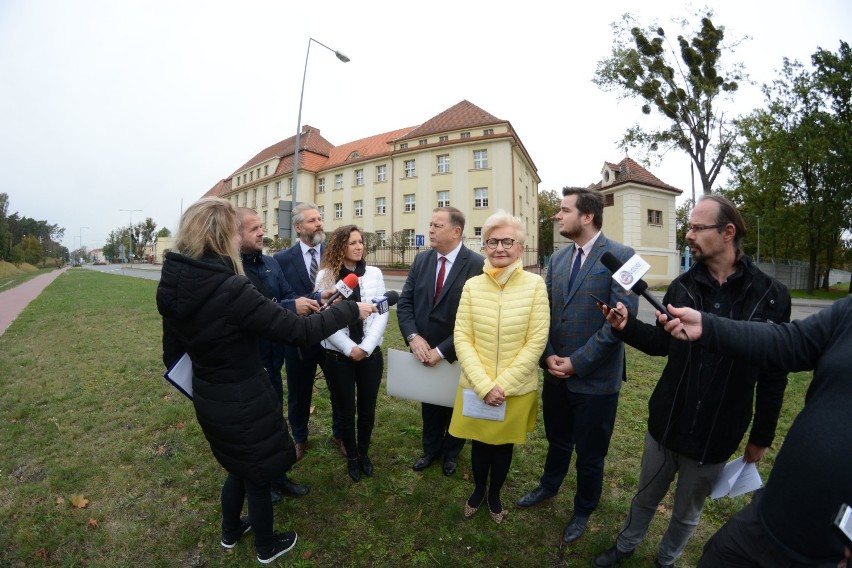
<point>300,264</point>
<point>583,361</point>
<point>427,316</point>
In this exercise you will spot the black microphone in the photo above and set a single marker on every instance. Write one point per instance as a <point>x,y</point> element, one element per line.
<point>343,287</point>
<point>383,303</point>
<point>640,287</point>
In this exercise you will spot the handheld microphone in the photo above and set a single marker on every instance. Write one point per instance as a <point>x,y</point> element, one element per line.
<point>639,286</point>
<point>383,303</point>
<point>343,288</point>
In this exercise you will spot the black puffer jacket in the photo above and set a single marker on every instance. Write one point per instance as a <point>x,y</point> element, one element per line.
<point>702,404</point>
<point>217,316</point>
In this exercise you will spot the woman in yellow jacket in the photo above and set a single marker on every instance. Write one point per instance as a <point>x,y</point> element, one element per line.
<point>501,331</point>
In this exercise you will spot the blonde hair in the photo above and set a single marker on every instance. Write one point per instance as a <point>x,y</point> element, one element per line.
<point>209,227</point>
<point>500,219</point>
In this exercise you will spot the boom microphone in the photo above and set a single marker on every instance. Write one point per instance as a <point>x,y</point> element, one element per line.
<point>343,288</point>
<point>383,303</point>
<point>640,286</point>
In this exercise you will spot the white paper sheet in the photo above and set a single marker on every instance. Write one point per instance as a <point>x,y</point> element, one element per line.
<point>180,375</point>
<point>475,407</point>
<point>411,379</point>
<point>736,478</point>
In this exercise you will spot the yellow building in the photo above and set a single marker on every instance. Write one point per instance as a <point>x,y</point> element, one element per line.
<point>390,182</point>
<point>640,211</point>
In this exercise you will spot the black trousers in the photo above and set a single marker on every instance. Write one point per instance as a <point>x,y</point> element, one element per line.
<point>354,388</point>
<point>581,422</point>
<point>437,439</point>
<point>234,493</point>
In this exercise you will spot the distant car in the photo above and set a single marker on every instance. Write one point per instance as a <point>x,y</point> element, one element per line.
<point>101,263</point>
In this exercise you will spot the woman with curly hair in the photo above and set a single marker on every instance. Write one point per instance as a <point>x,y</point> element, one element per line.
<point>353,356</point>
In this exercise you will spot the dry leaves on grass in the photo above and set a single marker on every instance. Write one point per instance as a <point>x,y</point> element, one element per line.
<point>93,523</point>
<point>79,501</point>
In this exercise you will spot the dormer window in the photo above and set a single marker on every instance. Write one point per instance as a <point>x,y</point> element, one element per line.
<point>354,155</point>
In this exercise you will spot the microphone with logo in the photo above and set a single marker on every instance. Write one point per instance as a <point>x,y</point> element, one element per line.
<point>625,277</point>
<point>383,303</point>
<point>343,288</point>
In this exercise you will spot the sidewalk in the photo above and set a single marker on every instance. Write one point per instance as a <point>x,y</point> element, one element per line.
<point>13,302</point>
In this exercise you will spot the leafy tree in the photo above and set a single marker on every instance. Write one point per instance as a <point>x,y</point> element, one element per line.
<point>143,236</point>
<point>549,202</point>
<point>164,232</point>
<point>685,87</point>
<point>371,243</point>
<point>398,244</point>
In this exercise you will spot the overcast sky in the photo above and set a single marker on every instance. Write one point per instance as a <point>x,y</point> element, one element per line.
<point>129,104</point>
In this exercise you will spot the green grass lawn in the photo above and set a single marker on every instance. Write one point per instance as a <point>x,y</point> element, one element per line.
<point>87,419</point>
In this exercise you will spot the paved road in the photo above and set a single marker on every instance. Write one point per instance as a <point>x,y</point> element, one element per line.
<point>802,308</point>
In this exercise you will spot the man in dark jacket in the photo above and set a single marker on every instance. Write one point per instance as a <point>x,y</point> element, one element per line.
<point>702,404</point>
<point>267,277</point>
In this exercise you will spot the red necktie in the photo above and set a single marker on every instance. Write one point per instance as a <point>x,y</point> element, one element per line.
<point>439,283</point>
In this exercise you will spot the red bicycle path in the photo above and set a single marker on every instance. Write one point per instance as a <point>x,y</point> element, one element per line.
<point>14,301</point>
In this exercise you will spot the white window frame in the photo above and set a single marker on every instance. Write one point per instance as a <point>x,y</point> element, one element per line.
<point>480,159</point>
<point>480,197</point>
<point>655,217</point>
<point>338,181</point>
<point>358,207</point>
<point>338,210</point>
<point>381,173</point>
<point>381,208</point>
<point>443,198</point>
<point>359,177</point>
<point>410,168</point>
<point>443,163</point>
<point>410,202</point>
<point>321,185</point>
<point>408,234</point>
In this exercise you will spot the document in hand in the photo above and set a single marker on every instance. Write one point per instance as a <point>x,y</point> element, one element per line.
<point>180,375</point>
<point>409,378</point>
<point>736,478</point>
<point>475,407</point>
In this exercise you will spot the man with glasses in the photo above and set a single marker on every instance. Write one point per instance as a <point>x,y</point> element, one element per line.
<point>427,316</point>
<point>583,362</point>
<point>703,401</point>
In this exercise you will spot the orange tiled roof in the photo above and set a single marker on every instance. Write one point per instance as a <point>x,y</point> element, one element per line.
<point>628,170</point>
<point>458,117</point>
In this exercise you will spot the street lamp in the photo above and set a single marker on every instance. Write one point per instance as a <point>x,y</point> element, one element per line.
<point>758,239</point>
<point>344,59</point>
<point>130,232</point>
<point>81,242</point>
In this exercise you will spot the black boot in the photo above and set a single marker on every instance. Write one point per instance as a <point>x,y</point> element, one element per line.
<point>366,465</point>
<point>354,467</point>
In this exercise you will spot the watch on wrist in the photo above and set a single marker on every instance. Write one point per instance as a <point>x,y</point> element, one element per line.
<point>410,337</point>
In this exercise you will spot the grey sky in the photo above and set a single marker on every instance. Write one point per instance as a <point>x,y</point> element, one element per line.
<point>131,104</point>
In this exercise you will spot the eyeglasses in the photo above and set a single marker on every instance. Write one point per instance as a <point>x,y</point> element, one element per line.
<point>699,228</point>
<point>507,243</point>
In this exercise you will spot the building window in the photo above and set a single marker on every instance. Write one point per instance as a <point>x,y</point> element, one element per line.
<point>408,200</point>
<point>277,189</point>
<point>443,138</point>
<point>321,185</point>
<point>480,197</point>
<point>358,206</point>
<point>464,135</point>
<point>423,142</point>
<point>251,175</point>
<point>409,168</point>
<point>266,170</point>
<point>403,146</point>
<point>383,241</point>
<point>609,200</point>
<point>359,177</point>
<point>290,187</point>
<point>443,199</point>
<point>237,181</point>
<point>655,217</point>
<point>408,235</point>
<point>382,173</point>
<point>380,206</point>
<point>477,232</point>
<point>265,195</point>
<point>338,211</point>
<point>480,159</point>
<point>258,173</point>
<point>254,197</point>
<point>338,181</point>
<point>321,211</point>
<point>488,132</point>
<point>443,163</point>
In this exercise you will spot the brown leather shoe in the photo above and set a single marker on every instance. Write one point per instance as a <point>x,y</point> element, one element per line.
<point>300,450</point>
<point>341,447</point>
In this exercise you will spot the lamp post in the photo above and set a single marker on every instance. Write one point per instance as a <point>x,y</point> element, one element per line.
<point>344,59</point>
<point>81,243</point>
<point>758,239</point>
<point>130,230</point>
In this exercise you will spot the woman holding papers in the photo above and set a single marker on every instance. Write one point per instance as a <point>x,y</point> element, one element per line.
<point>501,331</point>
<point>353,356</point>
<point>215,315</point>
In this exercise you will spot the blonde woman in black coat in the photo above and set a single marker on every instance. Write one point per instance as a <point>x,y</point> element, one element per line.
<point>212,312</point>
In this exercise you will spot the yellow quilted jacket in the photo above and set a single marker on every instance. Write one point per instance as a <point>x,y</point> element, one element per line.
<point>501,331</point>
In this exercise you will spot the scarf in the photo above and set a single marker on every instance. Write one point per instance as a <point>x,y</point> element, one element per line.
<point>501,275</point>
<point>356,329</point>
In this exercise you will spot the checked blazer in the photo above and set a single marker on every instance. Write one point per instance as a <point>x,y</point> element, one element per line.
<point>577,328</point>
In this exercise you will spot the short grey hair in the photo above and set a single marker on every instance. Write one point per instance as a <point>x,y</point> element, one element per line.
<point>501,218</point>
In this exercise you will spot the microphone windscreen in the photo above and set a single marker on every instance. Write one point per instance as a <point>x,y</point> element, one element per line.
<point>392,296</point>
<point>351,280</point>
<point>613,264</point>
